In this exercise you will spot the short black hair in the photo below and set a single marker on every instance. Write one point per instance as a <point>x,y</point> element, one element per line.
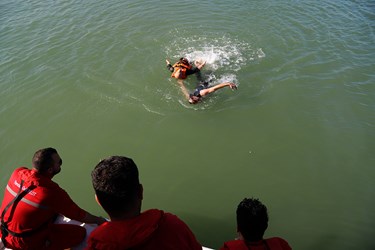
<point>252,219</point>
<point>42,159</point>
<point>116,184</point>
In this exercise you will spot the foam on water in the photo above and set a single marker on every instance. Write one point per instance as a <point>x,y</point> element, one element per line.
<point>224,56</point>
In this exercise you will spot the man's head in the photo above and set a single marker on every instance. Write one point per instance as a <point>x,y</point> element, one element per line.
<point>184,61</point>
<point>194,99</point>
<point>252,219</point>
<point>116,184</point>
<point>47,161</point>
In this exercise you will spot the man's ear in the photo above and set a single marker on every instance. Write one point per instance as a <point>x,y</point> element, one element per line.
<point>239,235</point>
<point>97,200</point>
<point>50,170</point>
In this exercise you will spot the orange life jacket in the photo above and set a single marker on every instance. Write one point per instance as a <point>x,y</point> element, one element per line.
<point>180,68</point>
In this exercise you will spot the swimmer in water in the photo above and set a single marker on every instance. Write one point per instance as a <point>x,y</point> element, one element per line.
<point>183,68</point>
<point>204,89</point>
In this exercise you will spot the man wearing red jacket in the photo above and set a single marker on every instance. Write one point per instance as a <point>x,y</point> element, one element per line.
<point>31,203</point>
<point>119,192</point>
<point>252,222</point>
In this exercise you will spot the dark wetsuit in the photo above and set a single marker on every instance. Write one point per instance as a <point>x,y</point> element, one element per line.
<point>201,86</point>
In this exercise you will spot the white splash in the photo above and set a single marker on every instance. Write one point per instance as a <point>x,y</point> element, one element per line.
<point>224,56</point>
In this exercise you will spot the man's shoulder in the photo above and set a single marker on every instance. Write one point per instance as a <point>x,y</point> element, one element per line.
<point>166,222</point>
<point>102,238</point>
<point>22,173</point>
<point>30,175</point>
<point>279,242</point>
<point>21,170</point>
<point>234,244</point>
<point>104,232</point>
<point>171,220</point>
<point>276,239</point>
<point>173,224</point>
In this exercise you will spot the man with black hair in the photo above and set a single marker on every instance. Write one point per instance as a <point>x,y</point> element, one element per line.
<point>252,222</point>
<point>31,203</point>
<point>118,191</point>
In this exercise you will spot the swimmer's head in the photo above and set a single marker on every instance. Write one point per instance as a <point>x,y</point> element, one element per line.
<point>184,60</point>
<point>194,99</point>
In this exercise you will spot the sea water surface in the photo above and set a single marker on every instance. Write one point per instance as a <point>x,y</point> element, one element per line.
<point>89,78</point>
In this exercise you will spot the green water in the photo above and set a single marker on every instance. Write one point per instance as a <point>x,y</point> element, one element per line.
<point>89,78</point>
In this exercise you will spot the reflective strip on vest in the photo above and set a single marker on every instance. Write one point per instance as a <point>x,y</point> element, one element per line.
<point>26,200</point>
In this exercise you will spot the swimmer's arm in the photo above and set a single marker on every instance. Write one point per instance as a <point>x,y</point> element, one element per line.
<point>169,65</point>
<point>183,89</point>
<point>212,89</point>
<point>200,65</point>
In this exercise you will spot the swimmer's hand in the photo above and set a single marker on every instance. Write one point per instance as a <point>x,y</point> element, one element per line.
<point>199,63</point>
<point>166,60</point>
<point>232,86</point>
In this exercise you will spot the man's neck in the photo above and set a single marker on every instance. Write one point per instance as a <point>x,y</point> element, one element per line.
<point>126,216</point>
<point>47,175</point>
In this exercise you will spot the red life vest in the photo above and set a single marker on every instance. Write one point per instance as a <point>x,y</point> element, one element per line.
<point>30,204</point>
